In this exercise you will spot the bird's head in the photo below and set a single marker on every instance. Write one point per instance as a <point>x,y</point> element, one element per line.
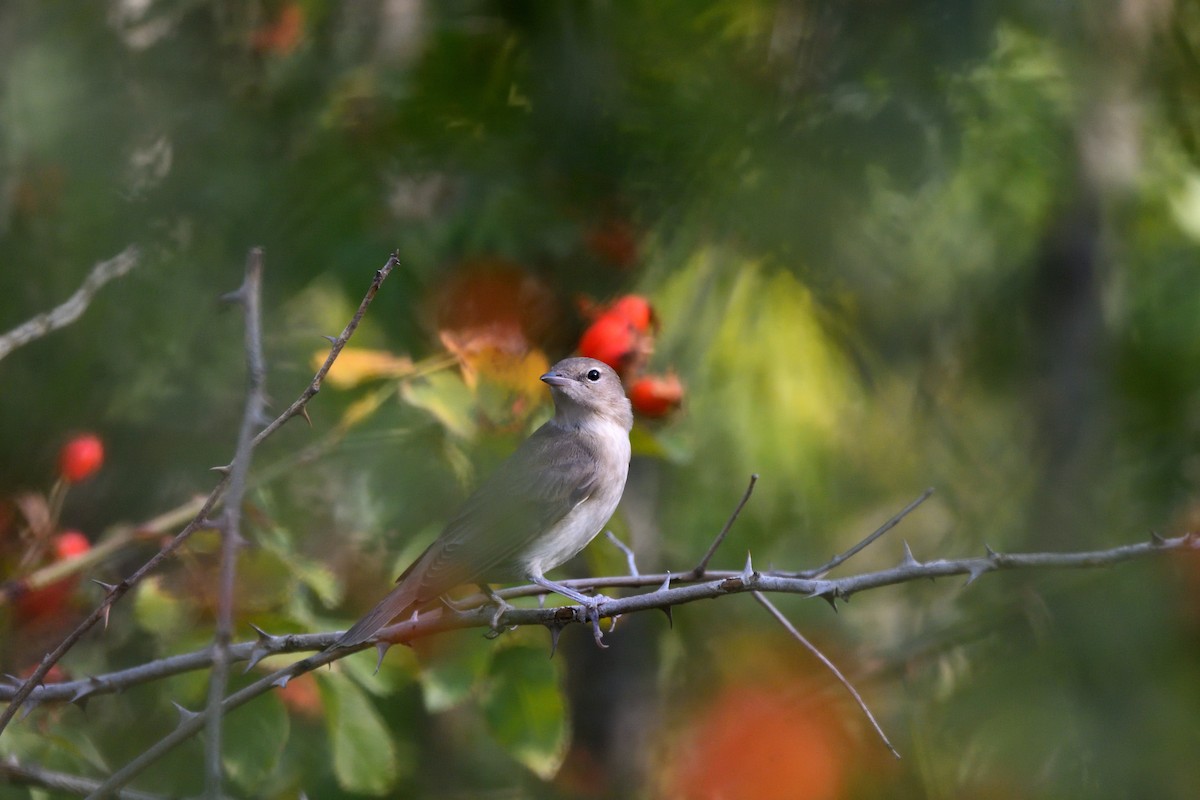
<point>585,389</point>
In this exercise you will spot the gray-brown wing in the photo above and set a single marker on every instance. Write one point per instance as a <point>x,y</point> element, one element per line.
<point>533,489</point>
<point>548,475</point>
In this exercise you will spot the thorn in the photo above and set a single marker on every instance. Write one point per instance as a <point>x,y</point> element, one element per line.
<point>908,560</point>
<point>107,587</point>
<point>1156,539</point>
<point>82,694</point>
<point>222,470</point>
<point>184,714</point>
<point>282,680</point>
<point>827,591</point>
<point>381,648</point>
<point>612,622</point>
<point>556,630</point>
<point>666,584</point>
<point>27,709</point>
<point>748,571</point>
<point>670,616</point>
<point>331,339</point>
<point>264,647</point>
<point>975,570</point>
<point>304,413</point>
<point>236,296</point>
<point>107,612</point>
<point>988,549</point>
<point>13,680</point>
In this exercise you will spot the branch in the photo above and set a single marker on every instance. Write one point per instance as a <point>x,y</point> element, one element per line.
<point>249,295</point>
<point>699,570</point>
<point>721,583</point>
<point>13,772</point>
<point>812,648</point>
<point>858,548</point>
<point>201,520</point>
<point>718,584</point>
<point>70,310</point>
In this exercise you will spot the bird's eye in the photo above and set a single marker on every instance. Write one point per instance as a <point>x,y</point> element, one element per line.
<point>593,375</point>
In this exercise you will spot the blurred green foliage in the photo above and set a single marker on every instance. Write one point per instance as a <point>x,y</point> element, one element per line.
<point>891,246</point>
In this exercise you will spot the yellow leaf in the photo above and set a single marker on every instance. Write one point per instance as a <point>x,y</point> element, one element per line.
<point>355,365</point>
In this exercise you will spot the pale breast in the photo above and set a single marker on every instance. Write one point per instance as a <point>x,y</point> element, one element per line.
<point>573,533</point>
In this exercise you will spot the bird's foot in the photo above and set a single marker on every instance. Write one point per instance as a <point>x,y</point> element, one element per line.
<point>590,605</point>
<point>591,613</point>
<point>501,605</point>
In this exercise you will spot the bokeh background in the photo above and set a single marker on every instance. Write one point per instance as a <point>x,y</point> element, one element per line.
<point>889,245</point>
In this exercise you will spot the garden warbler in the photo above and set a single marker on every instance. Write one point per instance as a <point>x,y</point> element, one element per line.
<point>543,504</point>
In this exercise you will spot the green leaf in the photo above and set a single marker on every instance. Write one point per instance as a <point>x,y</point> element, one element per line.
<point>158,611</point>
<point>451,667</point>
<point>366,759</point>
<point>447,398</point>
<point>254,742</point>
<point>525,710</point>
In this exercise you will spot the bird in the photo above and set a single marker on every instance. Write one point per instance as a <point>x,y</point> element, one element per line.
<point>540,507</point>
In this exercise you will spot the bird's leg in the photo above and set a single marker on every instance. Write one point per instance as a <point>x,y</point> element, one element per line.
<point>590,603</point>
<point>501,604</point>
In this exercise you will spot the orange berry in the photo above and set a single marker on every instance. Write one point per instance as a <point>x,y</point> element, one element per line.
<point>80,457</point>
<point>656,395</point>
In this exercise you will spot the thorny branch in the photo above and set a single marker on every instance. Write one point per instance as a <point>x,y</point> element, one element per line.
<point>718,583</point>
<point>202,517</point>
<point>73,307</point>
<point>14,772</point>
<point>249,296</point>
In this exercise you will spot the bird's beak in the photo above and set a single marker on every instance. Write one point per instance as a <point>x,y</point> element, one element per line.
<point>555,379</point>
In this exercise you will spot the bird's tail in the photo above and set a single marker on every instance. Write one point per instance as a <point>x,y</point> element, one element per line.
<point>395,603</point>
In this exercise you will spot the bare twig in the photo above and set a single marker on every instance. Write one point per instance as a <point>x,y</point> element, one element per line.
<point>297,408</point>
<point>853,551</point>
<point>699,570</point>
<point>249,295</point>
<point>630,558</point>
<point>837,673</point>
<point>201,520</point>
<point>15,773</point>
<point>71,309</point>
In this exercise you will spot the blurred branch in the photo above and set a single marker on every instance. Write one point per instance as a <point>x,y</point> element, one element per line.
<point>70,310</point>
<point>201,520</point>
<point>719,584</point>
<point>249,296</point>
<point>14,773</point>
<point>837,673</point>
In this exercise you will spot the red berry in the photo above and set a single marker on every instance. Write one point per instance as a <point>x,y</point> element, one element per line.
<point>611,339</point>
<point>69,544</point>
<point>656,395</point>
<point>636,309</point>
<point>80,457</point>
<point>50,600</point>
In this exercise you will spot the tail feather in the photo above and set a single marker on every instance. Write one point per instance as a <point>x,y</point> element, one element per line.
<point>397,601</point>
